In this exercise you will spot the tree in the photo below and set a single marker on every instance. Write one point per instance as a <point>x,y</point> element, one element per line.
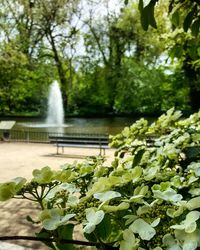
<point>130,57</point>
<point>22,90</point>
<point>183,14</point>
<point>44,29</point>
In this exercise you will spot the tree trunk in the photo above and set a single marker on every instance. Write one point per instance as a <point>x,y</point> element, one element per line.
<point>193,78</point>
<point>61,71</point>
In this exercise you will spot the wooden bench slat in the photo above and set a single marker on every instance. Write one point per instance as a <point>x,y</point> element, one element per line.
<point>81,145</point>
<point>81,142</point>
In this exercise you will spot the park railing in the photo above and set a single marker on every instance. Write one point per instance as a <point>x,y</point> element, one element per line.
<point>24,136</point>
<point>35,136</point>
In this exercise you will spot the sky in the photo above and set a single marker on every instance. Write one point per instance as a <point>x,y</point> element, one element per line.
<point>100,6</point>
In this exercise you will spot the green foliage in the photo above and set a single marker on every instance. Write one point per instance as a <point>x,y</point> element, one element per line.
<point>117,70</point>
<point>89,92</point>
<point>22,83</point>
<point>183,13</point>
<point>148,198</point>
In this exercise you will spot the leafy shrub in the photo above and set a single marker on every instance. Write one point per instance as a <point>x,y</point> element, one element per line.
<point>148,198</point>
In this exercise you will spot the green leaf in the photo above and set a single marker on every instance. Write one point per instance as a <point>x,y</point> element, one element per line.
<point>145,231</point>
<point>168,194</point>
<point>189,224</point>
<point>147,15</point>
<point>169,241</point>
<point>19,182</point>
<point>52,218</point>
<point>136,174</point>
<point>192,152</point>
<point>10,189</point>
<point>190,240</point>
<point>151,18</point>
<point>93,218</point>
<point>45,175</point>
<point>193,203</point>
<point>138,157</point>
<point>144,19</point>
<point>195,27</point>
<point>73,200</point>
<point>188,20</point>
<point>129,241</point>
<point>176,51</point>
<point>171,6</point>
<point>121,206</point>
<point>140,6</point>
<point>71,188</point>
<point>7,191</point>
<point>106,196</point>
<point>175,18</point>
<point>172,212</point>
<point>155,222</point>
<point>195,166</point>
<point>45,234</point>
<point>104,229</point>
<point>125,2</point>
<point>65,232</point>
<point>192,52</point>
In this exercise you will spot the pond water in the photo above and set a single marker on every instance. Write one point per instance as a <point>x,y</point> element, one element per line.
<point>112,125</point>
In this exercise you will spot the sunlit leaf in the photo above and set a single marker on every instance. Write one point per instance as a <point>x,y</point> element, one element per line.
<point>106,196</point>
<point>170,242</point>
<point>93,218</point>
<point>129,241</point>
<point>52,218</point>
<point>121,206</point>
<point>10,189</point>
<point>194,203</point>
<point>145,231</point>
<point>189,224</point>
<point>45,175</point>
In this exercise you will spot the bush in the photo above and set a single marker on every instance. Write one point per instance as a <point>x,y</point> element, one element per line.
<point>149,198</point>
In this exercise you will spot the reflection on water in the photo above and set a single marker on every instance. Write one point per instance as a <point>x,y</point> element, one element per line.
<point>37,126</point>
<point>112,125</point>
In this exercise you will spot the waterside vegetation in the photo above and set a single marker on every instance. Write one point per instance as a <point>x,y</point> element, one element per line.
<point>104,60</point>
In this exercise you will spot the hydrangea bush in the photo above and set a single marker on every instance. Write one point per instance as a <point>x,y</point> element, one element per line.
<point>148,198</point>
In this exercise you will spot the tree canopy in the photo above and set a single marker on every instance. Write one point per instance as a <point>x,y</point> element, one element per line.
<point>103,58</point>
<point>183,12</point>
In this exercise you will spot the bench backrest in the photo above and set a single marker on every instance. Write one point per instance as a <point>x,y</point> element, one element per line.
<point>84,139</point>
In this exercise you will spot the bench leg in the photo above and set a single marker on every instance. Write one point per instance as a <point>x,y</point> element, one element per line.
<point>100,151</point>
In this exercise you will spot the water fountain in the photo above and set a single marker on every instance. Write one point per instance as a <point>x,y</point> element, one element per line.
<point>55,113</point>
<point>54,121</point>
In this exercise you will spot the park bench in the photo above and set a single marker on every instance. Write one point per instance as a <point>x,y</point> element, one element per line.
<point>80,141</point>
